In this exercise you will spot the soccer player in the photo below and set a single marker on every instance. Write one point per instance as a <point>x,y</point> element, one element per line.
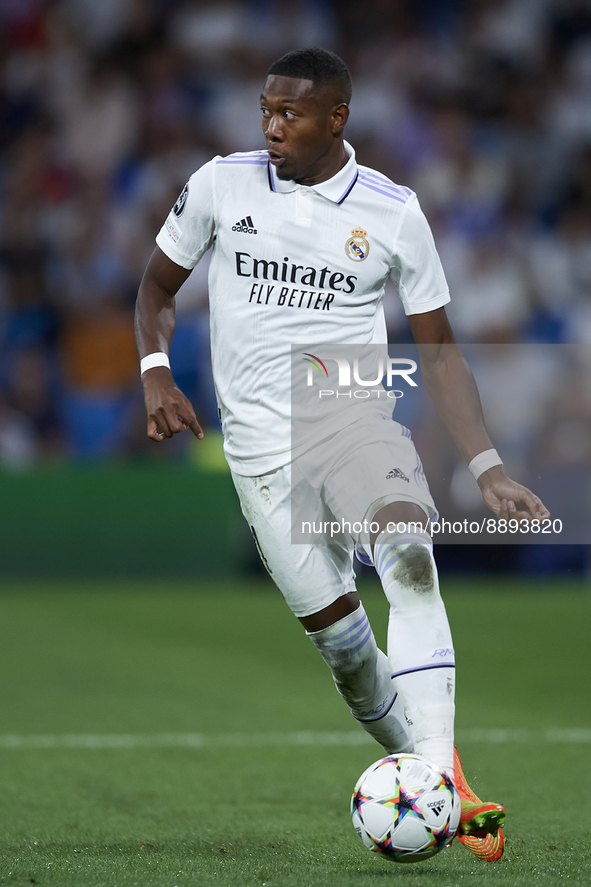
<point>303,240</point>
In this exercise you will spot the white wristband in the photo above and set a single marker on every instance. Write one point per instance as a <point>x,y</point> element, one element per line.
<point>483,461</point>
<point>157,359</point>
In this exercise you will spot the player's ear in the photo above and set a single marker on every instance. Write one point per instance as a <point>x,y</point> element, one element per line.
<point>338,117</point>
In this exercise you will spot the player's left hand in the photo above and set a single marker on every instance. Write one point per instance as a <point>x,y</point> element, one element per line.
<point>508,499</point>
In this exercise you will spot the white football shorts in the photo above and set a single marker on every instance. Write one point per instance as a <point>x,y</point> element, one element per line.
<point>344,480</point>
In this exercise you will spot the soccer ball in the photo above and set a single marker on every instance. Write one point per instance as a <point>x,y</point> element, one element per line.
<point>405,808</point>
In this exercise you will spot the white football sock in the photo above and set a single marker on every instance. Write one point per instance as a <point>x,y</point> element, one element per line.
<point>361,673</point>
<point>420,647</point>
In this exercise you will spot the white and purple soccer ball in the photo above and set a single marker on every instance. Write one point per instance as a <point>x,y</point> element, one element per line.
<point>405,808</point>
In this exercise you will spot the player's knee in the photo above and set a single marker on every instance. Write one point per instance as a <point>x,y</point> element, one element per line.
<point>408,574</point>
<point>415,569</point>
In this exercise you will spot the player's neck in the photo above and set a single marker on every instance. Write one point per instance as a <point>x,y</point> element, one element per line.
<point>328,166</point>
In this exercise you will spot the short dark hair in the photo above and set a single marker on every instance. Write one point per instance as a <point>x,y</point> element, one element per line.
<point>322,67</point>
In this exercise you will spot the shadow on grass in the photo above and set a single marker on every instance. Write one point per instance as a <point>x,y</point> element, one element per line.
<point>286,860</point>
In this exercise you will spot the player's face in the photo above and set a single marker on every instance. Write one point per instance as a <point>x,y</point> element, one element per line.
<point>301,125</point>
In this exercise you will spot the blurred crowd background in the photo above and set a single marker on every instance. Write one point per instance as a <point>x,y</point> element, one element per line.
<point>106,108</point>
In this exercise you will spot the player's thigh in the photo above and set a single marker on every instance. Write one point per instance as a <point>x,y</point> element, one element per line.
<point>378,466</point>
<point>309,576</point>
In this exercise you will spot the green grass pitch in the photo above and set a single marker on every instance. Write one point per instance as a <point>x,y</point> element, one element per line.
<point>262,798</point>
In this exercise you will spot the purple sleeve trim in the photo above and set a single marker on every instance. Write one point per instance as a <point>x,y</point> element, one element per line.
<point>381,191</point>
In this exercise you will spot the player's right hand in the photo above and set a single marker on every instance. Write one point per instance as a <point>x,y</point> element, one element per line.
<point>508,499</point>
<point>169,411</point>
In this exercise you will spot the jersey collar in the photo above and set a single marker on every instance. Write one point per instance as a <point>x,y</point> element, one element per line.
<point>335,189</point>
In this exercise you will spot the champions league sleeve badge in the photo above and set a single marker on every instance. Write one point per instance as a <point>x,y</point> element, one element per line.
<point>180,204</point>
<point>357,247</point>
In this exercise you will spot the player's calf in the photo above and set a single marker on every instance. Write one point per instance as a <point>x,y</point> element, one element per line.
<point>420,647</point>
<point>361,673</point>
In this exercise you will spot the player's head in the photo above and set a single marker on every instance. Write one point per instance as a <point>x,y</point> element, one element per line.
<point>305,107</point>
<point>324,69</point>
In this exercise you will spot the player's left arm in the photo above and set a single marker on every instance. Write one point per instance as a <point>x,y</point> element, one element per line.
<point>451,385</point>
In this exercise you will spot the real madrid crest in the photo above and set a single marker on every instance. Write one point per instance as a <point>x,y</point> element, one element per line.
<point>357,247</point>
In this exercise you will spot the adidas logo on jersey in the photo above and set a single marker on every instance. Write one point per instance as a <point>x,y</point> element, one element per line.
<point>396,472</point>
<point>245,226</point>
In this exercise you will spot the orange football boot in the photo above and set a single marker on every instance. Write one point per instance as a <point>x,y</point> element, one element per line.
<point>480,829</point>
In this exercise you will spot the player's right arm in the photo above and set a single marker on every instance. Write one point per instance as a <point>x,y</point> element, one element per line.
<point>169,411</point>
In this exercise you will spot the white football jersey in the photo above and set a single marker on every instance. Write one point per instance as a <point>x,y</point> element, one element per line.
<point>294,264</point>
